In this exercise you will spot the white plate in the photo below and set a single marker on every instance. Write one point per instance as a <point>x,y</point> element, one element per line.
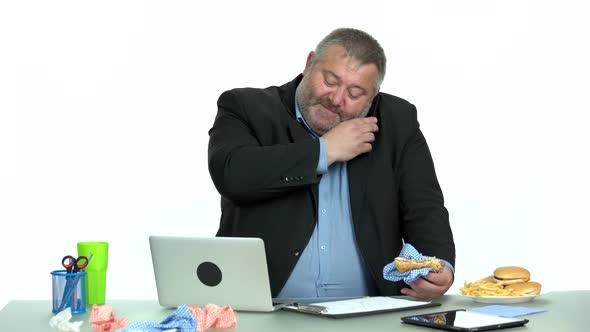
<point>501,299</point>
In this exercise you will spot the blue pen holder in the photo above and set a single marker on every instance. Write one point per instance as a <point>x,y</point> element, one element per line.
<point>69,290</point>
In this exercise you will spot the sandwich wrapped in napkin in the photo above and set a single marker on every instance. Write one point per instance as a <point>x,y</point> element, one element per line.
<point>411,265</point>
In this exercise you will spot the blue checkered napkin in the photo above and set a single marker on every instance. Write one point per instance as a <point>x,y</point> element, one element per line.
<point>391,273</point>
<point>181,320</point>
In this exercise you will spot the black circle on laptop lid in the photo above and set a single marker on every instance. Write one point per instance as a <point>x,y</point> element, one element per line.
<point>209,274</point>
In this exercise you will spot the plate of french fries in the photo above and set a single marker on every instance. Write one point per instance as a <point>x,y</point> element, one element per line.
<point>486,290</point>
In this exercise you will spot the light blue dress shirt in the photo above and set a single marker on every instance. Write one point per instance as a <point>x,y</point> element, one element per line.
<point>331,265</point>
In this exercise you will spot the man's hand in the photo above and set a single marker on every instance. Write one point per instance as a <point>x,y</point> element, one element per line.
<point>350,138</point>
<point>431,285</point>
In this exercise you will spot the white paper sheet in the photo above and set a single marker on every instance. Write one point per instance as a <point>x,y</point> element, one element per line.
<point>365,304</point>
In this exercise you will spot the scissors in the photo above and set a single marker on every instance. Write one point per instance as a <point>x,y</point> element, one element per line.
<point>74,265</point>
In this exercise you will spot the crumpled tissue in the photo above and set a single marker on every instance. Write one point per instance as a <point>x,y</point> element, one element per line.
<point>181,319</point>
<point>61,321</point>
<point>103,319</point>
<point>214,316</point>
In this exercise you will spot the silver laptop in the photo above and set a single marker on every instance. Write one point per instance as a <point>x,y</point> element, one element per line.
<point>217,270</point>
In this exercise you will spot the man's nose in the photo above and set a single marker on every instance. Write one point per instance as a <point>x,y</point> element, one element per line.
<point>337,96</point>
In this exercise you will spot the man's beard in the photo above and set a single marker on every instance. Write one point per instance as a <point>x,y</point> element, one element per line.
<point>306,101</point>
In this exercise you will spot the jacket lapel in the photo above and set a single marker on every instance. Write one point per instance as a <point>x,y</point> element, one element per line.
<point>295,129</point>
<point>357,173</point>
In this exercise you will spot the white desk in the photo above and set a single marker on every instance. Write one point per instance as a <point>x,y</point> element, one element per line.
<point>566,311</point>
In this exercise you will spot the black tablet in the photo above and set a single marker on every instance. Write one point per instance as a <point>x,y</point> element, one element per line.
<point>462,320</point>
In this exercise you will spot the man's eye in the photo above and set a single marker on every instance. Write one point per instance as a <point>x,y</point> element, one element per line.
<point>330,83</point>
<point>355,95</point>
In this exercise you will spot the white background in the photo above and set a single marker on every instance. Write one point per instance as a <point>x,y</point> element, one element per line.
<point>105,108</point>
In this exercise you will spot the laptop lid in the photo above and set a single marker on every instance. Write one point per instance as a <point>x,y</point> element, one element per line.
<point>218,270</point>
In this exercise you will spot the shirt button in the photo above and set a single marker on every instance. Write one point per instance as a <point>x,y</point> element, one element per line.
<point>323,210</point>
<point>323,247</point>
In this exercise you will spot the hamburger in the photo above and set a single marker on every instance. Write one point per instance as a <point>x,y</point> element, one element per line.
<point>508,275</point>
<point>407,264</point>
<point>525,288</point>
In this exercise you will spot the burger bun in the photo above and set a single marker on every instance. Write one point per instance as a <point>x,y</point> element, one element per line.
<point>508,275</point>
<point>525,288</point>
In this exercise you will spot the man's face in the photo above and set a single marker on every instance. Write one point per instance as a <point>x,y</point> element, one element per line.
<point>335,89</point>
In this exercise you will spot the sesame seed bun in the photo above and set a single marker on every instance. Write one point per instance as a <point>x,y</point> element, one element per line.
<point>511,275</point>
<point>526,288</point>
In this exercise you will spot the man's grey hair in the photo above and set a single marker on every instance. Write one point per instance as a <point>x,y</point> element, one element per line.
<point>359,45</point>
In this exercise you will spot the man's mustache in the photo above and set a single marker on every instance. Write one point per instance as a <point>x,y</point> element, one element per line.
<point>327,104</point>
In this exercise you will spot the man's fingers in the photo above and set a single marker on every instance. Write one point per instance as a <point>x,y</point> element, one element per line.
<point>350,138</point>
<point>442,278</point>
<point>435,278</point>
<point>429,286</point>
<point>370,119</point>
<point>368,126</point>
<point>368,137</point>
<point>366,147</point>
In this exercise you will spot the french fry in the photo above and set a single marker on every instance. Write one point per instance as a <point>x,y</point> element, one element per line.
<point>486,287</point>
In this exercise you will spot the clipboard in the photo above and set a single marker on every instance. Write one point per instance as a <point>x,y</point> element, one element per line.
<point>358,307</point>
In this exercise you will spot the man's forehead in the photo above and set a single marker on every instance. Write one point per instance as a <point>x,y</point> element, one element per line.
<point>337,61</point>
<point>337,53</point>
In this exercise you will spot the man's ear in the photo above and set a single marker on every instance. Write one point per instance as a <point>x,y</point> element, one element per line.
<point>308,63</point>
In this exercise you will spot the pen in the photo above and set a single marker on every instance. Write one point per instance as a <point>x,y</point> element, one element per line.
<point>309,308</point>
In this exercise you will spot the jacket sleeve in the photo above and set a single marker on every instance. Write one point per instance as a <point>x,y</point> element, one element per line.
<point>252,153</point>
<point>425,218</point>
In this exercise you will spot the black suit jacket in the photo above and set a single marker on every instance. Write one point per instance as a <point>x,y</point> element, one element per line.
<point>263,163</point>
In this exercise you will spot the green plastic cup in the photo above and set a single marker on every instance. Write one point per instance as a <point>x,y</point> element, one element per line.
<point>96,277</point>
